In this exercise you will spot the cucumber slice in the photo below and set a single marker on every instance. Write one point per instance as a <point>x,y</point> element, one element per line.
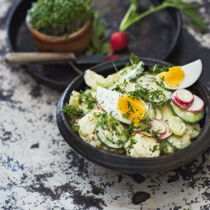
<point>149,76</point>
<point>179,142</point>
<point>152,113</point>
<point>101,136</point>
<point>112,138</point>
<point>152,86</point>
<point>137,73</point>
<point>91,77</point>
<point>187,116</point>
<point>193,130</point>
<point>107,82</point>
<point>176,126</point>
<point>165,148</point>
<point>118,151</point>
<point>158,113</point>
<point>167,112</point>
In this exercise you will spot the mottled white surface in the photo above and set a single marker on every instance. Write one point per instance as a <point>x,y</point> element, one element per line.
<point>38,170</point>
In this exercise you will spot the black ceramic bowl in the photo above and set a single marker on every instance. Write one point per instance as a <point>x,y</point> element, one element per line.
<point>129,164</point>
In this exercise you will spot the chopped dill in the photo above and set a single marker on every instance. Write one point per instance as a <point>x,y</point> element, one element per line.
<point>72,112</point>
<point>88,99</point>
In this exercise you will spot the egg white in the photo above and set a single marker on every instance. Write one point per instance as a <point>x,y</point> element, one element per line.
<point>192,72</point>
<point>108,100</point>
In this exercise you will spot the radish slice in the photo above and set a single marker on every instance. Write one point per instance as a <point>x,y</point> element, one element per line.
<point>197,105</point>
<point>184,97</point>
<point>143,133</point>
<point>182,106</point>
<point>158,126</point>
<point>167,134</point>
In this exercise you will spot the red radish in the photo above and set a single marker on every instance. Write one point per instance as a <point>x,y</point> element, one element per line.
<point>158,126</point>
<point>118,41</point>
<point>182,106</point>
<point>184,97</point>
<point>166,135</point>
<point>112,57</point>
<point>197,105</point>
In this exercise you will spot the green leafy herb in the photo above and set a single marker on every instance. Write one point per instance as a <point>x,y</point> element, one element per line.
<point>60,18</point>
<point>124,71</point>
<point>157,69</point>
<point>119,89</point>
<point>132,16</point>
<point>152,96</point>
<point>88,99</point>
<point>98,45</point>
<point>163,147</point>
<point>134,59</point>
<point>132,141</point>
<point>72,112</point>
<point>108,122</point>
<point>130,110</point>
<point>128,132</point>
<point>75,127</point>
<point>155,148</point>
<point>145,125</point>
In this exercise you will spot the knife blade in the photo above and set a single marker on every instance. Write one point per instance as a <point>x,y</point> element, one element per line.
<point>21,58</point>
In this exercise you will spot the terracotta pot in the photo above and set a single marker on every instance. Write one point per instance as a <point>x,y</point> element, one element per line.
<point>76,42</point>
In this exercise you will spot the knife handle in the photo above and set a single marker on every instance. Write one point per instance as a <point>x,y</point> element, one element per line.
<point>38,58</point>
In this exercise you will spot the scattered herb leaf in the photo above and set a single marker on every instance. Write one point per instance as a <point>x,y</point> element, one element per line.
<point>88,99</point>
<point>72,112</point>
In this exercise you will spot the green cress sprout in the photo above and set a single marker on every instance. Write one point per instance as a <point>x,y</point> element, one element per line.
<point>60,17</point>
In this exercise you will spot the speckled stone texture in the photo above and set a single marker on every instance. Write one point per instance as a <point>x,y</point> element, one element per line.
<point>38,170</point>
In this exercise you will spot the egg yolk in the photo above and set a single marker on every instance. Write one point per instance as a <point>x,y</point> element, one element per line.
<point>174,77</point>
<point>132,109</point>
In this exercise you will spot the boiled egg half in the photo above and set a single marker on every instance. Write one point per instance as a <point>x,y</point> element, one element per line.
<point>121,106</point>
<point>181,76</point>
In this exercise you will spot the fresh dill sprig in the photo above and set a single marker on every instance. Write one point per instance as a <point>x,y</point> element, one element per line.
<point>88,99</point>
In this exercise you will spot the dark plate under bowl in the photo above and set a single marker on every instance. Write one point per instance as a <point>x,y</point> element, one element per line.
<point>130,164</point>
<point>154,36</point>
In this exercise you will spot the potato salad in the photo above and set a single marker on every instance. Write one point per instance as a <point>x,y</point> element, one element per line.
<point>139,111</point>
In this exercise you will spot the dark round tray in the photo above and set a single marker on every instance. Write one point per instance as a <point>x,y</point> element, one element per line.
<point>124,163</point>
<point>155,37</point>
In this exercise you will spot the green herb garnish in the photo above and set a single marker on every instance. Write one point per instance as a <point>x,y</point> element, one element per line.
<point>88,99</point>
<point>60,17</point>
<point>132,141</point>
<point>152,96</point>
<point>72,112</point>
<point>128,132</point>
<point>157,69</point>
<point>155,148</point>
<point>119,89</point>
<point>189,10</point>
<point>163,147</point>
<point>134,59</point>
<point>75,127</point>
<point>108,122</point>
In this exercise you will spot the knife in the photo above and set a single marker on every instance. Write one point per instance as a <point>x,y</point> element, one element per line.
<point>21,58</point>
